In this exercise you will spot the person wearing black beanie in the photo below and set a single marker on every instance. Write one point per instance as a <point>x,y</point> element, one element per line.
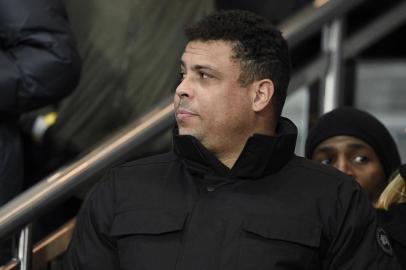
<point>356,143</point>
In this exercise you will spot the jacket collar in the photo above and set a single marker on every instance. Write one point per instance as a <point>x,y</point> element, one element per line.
<point>262,155</point>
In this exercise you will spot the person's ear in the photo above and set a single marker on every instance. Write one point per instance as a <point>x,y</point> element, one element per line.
<point>263,92</point>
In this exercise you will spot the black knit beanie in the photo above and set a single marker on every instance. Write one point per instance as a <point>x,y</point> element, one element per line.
<point>362,125</point>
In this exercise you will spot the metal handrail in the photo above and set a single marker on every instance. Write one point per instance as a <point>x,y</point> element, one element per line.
<point>352,46</point>
<point>312,18</point>
<point>44,251</point>
<point>59,185</point>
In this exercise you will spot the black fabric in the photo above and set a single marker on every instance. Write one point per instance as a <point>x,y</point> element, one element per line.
<point>38,61</point>
<point>394,223</point>
<point>402,171</point>
<point>262,155</point>
<point>38,66</point>
<point>11,161</point>
<point>183,210</point>
<point>362,125</point>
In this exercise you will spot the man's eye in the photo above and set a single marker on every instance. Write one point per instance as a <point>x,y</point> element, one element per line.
<point>182,75</point>
<point>360,159</point>
<point>326,161</point>
<point>204,75</point>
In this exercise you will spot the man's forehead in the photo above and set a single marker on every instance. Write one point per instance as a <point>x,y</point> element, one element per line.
<point>209,44</point>
<point>213,53</point>
<point>343,141</point>
<point>209,48</point>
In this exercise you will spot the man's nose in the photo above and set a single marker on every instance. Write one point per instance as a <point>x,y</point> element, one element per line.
<point>344,165</point>
<point>184,89</point>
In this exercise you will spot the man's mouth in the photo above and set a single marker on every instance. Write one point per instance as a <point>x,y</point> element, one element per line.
<point>182,114</point>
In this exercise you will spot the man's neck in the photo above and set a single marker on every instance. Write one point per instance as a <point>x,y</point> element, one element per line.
<point>228,151</point>
<point>229,158</point>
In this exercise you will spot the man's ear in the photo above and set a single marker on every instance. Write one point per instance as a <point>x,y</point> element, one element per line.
<point>263,92</point>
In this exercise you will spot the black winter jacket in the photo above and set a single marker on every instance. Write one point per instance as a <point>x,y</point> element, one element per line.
<point>38,66</point>
<point>185,210</point>
<point>394,223</point>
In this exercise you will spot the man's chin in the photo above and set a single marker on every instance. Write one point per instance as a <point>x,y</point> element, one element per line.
<point>187,131</point>
<point>184,131</point>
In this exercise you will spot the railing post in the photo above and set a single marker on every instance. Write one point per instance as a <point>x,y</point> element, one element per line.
<point>25,248</point>
<point>332,42</point>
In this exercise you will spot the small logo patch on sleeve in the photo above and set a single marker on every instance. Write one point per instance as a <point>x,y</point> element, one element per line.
<point>383,241</point>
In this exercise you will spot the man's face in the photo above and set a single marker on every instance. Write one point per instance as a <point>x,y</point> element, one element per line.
<point>356,158</point>
<point>210,104</point>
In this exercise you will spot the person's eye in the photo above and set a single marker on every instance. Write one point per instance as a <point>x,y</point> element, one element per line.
<point>204,75</point>
<point>182,75</point>
<point>326,161</point>
<point>360,159</point>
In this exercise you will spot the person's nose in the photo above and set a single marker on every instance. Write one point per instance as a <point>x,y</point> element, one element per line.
<point>184,89</point>
<point>344,165</point>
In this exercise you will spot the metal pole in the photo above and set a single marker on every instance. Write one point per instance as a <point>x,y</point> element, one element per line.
<point>309,20</point>
<point>25,248</point>
<point>332,46</point>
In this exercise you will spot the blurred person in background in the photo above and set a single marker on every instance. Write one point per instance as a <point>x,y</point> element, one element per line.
<point>127,69</point>
<point>39,65</point>
<point>391,207</point>
<point>275,11</point>
<point>356,143</point>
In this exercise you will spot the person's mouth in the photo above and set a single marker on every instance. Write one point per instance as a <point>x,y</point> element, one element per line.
<point>182,114</point>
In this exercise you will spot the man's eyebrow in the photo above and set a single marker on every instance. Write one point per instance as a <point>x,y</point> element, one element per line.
<point>324,149</point>
<point>358,146</point>
<point>352,146</point>
<point>198,67</point>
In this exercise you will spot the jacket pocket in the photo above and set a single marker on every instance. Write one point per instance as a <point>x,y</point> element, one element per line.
<point>144,235</point>
<point>278,242</point>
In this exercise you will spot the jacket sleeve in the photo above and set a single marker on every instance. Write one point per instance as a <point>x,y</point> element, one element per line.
<point>355,237</point>
<point>38,60</point>
<point>91,247</point>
